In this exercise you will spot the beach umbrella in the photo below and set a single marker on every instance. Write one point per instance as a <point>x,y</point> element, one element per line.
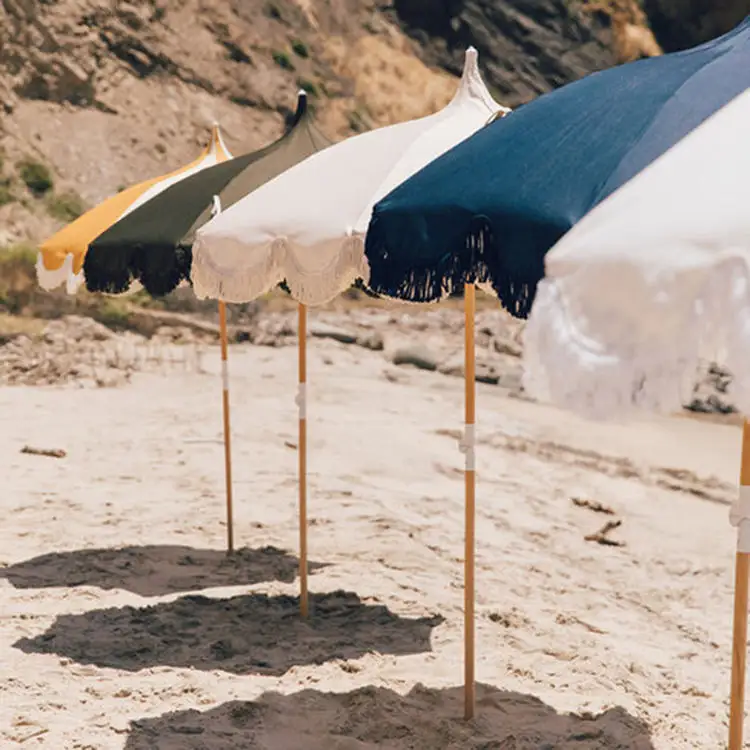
<point>307,226</point>
<point>60,258</point>
<point>651,282</point>
<point>487,211</point>
<point>490,208</point>
<point>152,244</point>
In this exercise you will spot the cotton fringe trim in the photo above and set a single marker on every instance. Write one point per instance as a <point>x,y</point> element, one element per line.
<point>614,379</point>
<point>51,279</point>
<point>278,266</point>
<point>479,262</point>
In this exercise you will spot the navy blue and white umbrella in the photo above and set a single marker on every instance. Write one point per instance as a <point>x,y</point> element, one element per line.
<point>490,208</point>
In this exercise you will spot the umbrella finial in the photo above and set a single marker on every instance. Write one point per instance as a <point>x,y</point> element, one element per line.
<point>470,74</point>
<point>217,147</point>
<point>471,60</point>
<point>301,106</point>
<point>471,85</point>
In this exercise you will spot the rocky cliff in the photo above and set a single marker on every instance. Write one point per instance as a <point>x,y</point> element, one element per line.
<point>678,24</point>
<point>528,46</point>
<point>96,95</point>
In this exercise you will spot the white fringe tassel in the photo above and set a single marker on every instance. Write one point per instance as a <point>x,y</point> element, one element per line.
<point>615,375</point>
<point>273,264</point>
<point>51,279</point>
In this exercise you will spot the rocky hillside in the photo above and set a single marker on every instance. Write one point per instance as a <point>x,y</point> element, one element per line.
<point>96,95</point>
<point>683,23</point>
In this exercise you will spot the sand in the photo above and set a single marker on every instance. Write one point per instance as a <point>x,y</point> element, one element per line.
<point>123,625</point>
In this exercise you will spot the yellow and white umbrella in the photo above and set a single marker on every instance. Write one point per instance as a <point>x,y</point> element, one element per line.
<point>61,257</point>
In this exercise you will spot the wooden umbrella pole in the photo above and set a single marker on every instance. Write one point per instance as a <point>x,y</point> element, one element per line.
<point>470,478</point>
<point>302,452</point>
<point>227,438</point>
<point>741,519</point>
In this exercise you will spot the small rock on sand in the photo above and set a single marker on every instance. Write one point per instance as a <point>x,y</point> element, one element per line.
<point>417,356</point>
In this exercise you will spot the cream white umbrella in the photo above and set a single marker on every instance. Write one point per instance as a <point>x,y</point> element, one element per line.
<point>307,227</point>
<point>654,280</point>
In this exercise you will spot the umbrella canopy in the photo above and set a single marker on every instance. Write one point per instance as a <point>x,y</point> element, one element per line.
<point>651,281</point>
<point>153,243</point>
<point>61,257</point>
<point>307,225</point>
<point>656,277</point>
<point>491,208</point>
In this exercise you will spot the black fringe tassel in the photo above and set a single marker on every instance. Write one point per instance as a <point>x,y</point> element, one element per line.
<point>160,269</point>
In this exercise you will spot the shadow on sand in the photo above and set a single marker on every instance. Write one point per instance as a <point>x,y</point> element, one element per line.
<point>255,633</point>
<point>375,718</point>
<point>155,570</point>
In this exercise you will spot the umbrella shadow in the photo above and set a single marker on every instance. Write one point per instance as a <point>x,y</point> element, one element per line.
<point>155,570</point>
<point>370,718</point>
<point>250,634</point>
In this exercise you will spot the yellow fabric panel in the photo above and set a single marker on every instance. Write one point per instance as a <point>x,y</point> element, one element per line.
<point>75,238</point>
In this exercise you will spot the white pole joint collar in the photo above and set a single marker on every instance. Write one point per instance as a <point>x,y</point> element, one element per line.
<point>301,400</point>
<point>739,517</point>
<point>225,374</point>
<point>467,444</point>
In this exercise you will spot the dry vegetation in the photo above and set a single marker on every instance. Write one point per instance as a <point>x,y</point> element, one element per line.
<point>24,305</point>
<point>119,93</point>
<point>390,84</point>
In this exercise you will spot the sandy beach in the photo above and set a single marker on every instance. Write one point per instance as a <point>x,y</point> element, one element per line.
<point>125,627</point>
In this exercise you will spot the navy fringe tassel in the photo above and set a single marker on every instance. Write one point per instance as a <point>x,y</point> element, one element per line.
<point>478,261</point>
